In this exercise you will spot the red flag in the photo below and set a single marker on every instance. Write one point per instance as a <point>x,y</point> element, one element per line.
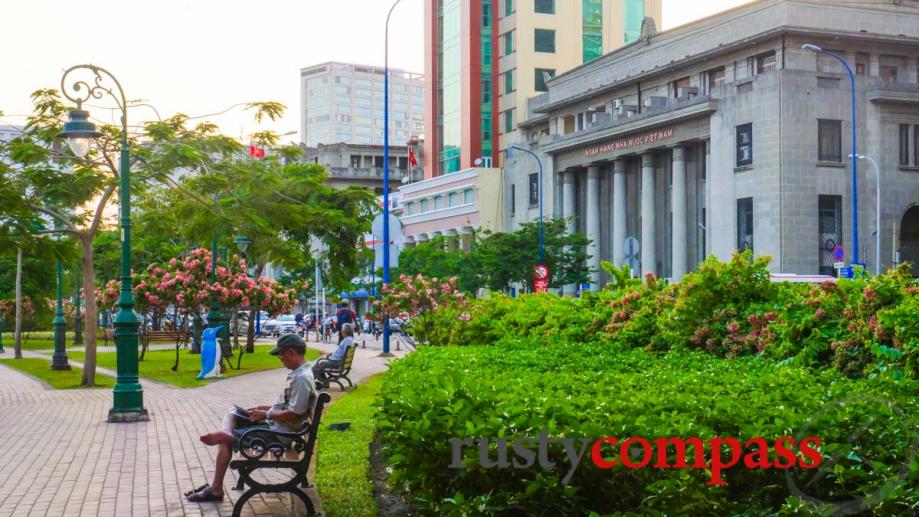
<point>256,151</point>
<point>411,157</point>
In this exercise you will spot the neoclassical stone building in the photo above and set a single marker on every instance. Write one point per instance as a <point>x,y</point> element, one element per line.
<point>726,134</point>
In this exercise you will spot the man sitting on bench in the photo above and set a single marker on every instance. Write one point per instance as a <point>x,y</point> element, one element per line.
<point>333,362</point>
<point>287,414</point>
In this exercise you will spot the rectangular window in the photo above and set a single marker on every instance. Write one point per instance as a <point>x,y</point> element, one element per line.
<point>889,73</point>
<point>423,206</point>
<point>714,78</point>
<point>508,7</point>
<point>513,200</point>
<point>861,63</point>
<point>453,199</point>
<point>678,84</point>
<point>744,145</point>
<point>542,76</point>
<point>468,196</point>
<point>508,43</point>
<point>509,121</point>
<point>534,189</point>
<point>544,6</point>
<point>916,145</point>
<point>438,202</point>
<point>765,62</point>
<point>544,40</point>
<point>745,224</point>
<point>829,220</point>
<point>509,81</point>
<point>904,144</point>
<point>592,26</point>
<point>829,141</point>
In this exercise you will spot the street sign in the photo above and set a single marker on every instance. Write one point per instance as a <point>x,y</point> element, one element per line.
<point>839,254</point>
<point>395,240</point>
<point>632,247</point>
<point>846,272</point>
<point>839,265</point>
<point>540,278</point>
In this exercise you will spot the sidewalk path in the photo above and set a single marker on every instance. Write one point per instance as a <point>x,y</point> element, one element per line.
<point>61,458</point>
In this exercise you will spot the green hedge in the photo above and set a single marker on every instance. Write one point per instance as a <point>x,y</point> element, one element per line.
<point>521,386</point>
<point>862,327</point>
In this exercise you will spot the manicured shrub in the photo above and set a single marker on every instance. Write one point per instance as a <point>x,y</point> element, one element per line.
<point>520,387</point>
<point>861,327</point>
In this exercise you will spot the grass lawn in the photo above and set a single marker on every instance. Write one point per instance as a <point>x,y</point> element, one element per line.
<point>343,462</point>
<point>61,380</point>
<point>43,340</point>
<point>157,365</point>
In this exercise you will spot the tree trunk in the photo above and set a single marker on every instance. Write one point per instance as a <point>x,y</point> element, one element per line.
<point>250,335</point>
<point>91,313</point>
<point>196,334</point>
<point>17,332</point>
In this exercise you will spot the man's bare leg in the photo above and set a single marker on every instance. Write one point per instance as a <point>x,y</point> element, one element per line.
<point>223,440</point>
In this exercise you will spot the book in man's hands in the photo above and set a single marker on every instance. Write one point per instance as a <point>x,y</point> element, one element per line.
<point>241,413</point>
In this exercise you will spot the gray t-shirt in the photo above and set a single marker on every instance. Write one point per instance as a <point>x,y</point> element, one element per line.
<point>299,396</point>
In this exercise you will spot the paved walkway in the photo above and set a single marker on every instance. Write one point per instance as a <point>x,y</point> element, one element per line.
<point>61,458</point>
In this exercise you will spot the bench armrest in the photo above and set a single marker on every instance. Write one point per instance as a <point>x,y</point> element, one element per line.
<point>256,442</point>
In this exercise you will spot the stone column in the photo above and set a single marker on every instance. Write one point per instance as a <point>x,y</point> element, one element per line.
<point>568,208</point>
<point>592,214</point>
<point>678,204</point>
<point>465,238</point>
<point>568,212</point>
<point>450,240</point>
<point>648,248</point>
<point>619,213</point>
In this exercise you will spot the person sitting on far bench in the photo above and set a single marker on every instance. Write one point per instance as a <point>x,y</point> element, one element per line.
<point>332,362</point>
<point>287,414</point>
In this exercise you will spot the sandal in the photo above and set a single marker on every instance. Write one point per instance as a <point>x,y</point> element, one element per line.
<point>205,496</point>
<point>195,491</point>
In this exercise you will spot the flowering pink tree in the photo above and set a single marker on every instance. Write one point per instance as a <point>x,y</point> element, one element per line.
<point>432,305</point>
<point>185,286</point>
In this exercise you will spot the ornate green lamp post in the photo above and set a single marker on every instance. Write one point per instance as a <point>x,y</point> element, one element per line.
<point>128,400</point>
<point>77,315</point>
<point>215,316</point>
<point>59,359</point>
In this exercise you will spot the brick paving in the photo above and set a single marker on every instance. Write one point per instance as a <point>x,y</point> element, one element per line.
<point>61,458</point>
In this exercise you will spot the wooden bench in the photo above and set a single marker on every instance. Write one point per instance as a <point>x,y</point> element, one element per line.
<point>255,444</point>
<point>168,335</point>
<point>334,373</point>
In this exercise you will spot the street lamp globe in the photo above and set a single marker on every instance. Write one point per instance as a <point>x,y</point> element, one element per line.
<point>242,242</point>
<point>79,132</point>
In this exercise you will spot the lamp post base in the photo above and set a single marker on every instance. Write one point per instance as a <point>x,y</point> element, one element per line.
<point>60,364</point>
<point>387,354</point>
<point>124,417</point>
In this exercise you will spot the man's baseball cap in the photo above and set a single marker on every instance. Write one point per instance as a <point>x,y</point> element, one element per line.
<point>289,341</point>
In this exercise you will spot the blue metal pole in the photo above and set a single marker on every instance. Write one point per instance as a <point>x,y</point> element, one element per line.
<point>854,155</point>
<point>539,163</point>
<point>386,329</point>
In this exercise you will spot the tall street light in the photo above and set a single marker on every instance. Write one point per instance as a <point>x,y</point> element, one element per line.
<point>59,359</point>
<point>242,242</point>
<point>542,258</point>
<point>77,317</point>
<point>386,329</point>
<point>877,213</point>
<point>128,400</point>
<point>854,155</point>
<point>215,316</point>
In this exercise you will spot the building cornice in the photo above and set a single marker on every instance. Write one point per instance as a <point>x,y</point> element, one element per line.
<point>664,118</point>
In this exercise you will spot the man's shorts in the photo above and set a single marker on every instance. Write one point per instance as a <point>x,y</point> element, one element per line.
<point>238,432</point>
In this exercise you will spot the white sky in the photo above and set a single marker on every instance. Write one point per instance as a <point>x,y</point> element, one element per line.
<point>202,56</point>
